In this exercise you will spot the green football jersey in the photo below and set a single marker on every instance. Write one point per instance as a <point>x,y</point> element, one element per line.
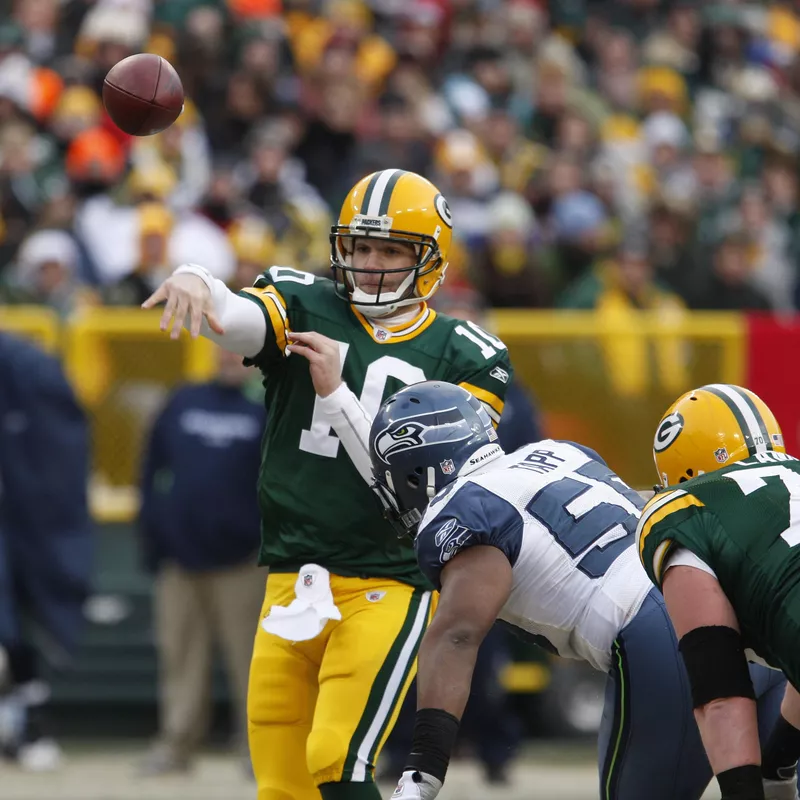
<point>743,521</point>
<point>315,506</point>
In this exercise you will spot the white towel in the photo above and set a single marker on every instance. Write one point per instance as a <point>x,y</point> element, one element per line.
<point>306,616</point>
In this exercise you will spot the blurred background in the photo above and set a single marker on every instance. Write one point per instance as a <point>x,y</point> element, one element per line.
<point>623,179</point>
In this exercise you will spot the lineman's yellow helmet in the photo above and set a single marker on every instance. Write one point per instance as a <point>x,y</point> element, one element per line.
<point>712,427</point>
<point>404,207</point>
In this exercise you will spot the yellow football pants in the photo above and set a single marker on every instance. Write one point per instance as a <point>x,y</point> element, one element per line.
<point>320,711</point>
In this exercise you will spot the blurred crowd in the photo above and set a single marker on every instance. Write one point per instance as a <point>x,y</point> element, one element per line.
<point>640,153</point>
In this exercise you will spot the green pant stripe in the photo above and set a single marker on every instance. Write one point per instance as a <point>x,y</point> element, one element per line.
<point>620,718</point>
<point>417,640</point>
<point>387,686</point>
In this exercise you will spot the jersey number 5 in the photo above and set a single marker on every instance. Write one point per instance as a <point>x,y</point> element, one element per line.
<point>591,515</point>
<point>318,439</point>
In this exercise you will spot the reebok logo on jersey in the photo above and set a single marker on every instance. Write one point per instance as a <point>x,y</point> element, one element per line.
<point>499,374</point>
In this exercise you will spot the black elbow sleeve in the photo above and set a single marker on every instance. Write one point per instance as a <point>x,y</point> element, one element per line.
<point>716,664</point>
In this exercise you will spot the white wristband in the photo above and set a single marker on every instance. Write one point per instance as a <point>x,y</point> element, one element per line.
<point>201,272</point>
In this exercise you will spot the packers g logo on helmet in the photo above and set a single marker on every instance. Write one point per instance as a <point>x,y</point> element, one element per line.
<point>668,431</point>
<point>713,427</point>
<point>403,207</point>
<point>443,208</point>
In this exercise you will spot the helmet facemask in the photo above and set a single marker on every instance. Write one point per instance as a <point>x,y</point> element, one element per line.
<point>382,302</point>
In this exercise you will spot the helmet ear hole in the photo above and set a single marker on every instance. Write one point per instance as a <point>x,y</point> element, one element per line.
<point>413,481</point>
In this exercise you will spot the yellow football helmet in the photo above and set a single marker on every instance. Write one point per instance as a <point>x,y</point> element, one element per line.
<point>712,427</point>
<point>404,207</point>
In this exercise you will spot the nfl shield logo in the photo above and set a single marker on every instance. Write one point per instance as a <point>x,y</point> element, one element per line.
<point>381,335</point>
<point>721,455</point>
<point>448,467</point>
<point>308,579</point>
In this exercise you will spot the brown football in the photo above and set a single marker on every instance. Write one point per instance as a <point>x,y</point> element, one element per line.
<point>143,94</point>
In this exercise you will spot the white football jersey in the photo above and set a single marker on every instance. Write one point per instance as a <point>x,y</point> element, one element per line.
<point>567,524</point>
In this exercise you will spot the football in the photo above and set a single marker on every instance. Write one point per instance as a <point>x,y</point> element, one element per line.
<point>143,94</point>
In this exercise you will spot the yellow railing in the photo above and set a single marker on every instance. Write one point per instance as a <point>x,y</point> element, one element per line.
<point>121,366</point>
<point>600,379</point>
<point>33,322</point>
<point>606,379</point>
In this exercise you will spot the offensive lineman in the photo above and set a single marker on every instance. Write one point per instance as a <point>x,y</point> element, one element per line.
<point>722,543</point>
<point>543,539</point>
<point>346,605</point>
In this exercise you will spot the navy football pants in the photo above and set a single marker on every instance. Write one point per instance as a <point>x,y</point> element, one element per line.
<point>649,744</point>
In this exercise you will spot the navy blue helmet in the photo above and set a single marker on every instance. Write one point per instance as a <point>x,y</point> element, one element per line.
<point>423,438</point>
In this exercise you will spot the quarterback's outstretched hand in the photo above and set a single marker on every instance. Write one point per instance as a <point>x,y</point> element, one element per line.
<point>323,357</point>
<point>184,294</point>
<point>416,785</point>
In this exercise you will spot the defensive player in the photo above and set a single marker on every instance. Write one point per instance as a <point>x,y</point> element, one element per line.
<point>332,663</point>
<point>543,539</point>
<point>722,543</point>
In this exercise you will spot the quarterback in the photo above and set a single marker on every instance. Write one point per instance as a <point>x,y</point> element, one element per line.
<point>542,539</point>
<point>721,540</point>
<point>346,605</point>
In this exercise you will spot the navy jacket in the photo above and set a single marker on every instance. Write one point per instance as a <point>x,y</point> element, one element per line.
<point>199,502</point>
<point>46,537</point>
<point>519,424</point>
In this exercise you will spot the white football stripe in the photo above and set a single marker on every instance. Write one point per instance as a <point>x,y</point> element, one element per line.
<point>490,411</point>
<point>749,417</point>
<point>377,193</point>
<point>668,497</point>
<point>393,688</point>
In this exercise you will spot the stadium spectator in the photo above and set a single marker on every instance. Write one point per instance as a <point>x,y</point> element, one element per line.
<point>199,530</point>
<point>46,541</point>
<point>645,106</point>
<point>555,130</point>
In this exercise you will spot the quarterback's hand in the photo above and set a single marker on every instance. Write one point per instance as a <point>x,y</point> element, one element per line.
<point>780,790</point>
<point>323,358</point>
<point>185,294</point>
<point>415,785</point>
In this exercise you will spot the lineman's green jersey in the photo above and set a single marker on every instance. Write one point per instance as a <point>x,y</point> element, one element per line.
<point>315,507</point>
<point>743,521</point>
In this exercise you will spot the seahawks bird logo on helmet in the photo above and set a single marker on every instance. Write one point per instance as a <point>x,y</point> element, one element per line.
<point>434,427</point>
